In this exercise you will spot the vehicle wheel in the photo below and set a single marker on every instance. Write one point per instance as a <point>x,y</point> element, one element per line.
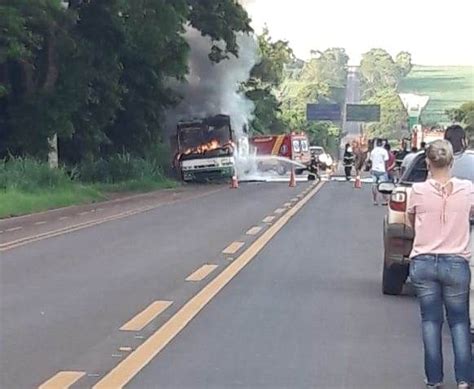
<point>394,278</point>
<point>281,169</point>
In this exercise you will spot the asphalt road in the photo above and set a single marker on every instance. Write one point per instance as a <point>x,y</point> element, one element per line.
<point>307,312</point>
<point>62,300</point>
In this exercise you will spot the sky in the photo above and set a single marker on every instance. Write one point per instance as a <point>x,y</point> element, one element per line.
<point>436,32</point>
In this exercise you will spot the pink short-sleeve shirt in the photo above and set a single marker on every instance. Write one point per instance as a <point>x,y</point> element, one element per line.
<point>442,218</point>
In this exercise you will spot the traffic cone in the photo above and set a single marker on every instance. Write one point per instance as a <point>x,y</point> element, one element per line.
<point>234,182</point>
<point>292,178</point>
<point>358,183</point>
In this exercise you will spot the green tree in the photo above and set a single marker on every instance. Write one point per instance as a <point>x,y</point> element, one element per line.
<point>32,34</point>
<point>404,63</point>
<point>393,114</point>
<point>378,70</point>
<point>380,76</point>
<point>219,20</point>
<point>94,72</point>
<point>322,79</point>
<point>264,80</point>
<point>464,115</point>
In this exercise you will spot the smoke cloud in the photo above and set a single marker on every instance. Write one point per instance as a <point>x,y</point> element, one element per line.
<point>212,89</point>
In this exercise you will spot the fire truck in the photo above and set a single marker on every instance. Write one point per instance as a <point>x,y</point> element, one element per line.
<point>206,149</point>
<point>294,147</point>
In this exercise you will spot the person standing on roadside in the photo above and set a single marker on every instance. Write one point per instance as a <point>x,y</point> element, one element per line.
<point>439,211</point>
<point>456,135</point>
<point>349,159</point>
<point>360,153</point>
<point>391,163</point>
<point>378,159</point>
<point>408,159</point>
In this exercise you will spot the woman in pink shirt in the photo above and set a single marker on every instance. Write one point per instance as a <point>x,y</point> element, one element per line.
<point>439,210</point>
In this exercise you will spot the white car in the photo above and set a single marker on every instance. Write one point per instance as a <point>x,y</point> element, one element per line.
<point>324,160</point>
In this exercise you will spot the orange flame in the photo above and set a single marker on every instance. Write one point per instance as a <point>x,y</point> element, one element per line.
<point>212,145</point>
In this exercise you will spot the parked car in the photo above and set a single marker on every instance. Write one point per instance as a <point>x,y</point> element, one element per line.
<point>397,232</point>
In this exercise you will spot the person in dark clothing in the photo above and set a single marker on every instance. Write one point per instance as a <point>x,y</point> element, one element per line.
<point>313,168</point>
<point>456,135</point>
<point>349,159</point>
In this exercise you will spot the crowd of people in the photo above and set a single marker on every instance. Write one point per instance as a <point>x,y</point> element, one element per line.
<point>439,210</point>
<point>358,157</point>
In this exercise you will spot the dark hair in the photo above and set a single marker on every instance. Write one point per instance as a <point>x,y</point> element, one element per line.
<point>347,146</point>
<point>379,142</point>
<point>388,147</point>
<point>423,145</point>
<point>414,149</point>
<point>455,127</point>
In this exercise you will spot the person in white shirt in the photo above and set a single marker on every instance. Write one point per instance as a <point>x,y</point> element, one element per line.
<point>378,158</point>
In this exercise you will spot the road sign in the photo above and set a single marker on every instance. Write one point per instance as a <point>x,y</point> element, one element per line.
<point>331,112</point>
<point>362,112</point>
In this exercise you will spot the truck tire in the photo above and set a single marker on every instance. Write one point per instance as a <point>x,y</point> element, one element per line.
<point>393,279</point>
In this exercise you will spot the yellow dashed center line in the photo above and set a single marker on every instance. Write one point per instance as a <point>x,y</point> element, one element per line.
<point>202,273</point>
<point>141,320</point>
<point>127,369</point>
<point>62,380</point>
<point>254,231</point>
<point>233,248</point>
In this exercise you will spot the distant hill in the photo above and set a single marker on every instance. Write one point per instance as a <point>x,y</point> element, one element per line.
<point>448,87</point>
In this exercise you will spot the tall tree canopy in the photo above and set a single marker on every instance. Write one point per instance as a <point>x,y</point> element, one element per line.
<point>464,115</point>
<point>380,76</point>
<point>94,72</point>
<point>265,78</point>
<point>322,79</point>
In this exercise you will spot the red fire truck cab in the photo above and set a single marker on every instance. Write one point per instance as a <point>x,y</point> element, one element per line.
<point>294,146</point>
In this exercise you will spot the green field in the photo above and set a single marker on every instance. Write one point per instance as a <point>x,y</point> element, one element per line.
<point>448,87</point>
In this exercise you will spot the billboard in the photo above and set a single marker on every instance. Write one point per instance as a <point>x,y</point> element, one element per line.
<point>362,112</point>
<point>320,112</point>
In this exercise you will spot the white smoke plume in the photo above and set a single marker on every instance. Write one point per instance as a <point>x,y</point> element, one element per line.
<point>212,88</point>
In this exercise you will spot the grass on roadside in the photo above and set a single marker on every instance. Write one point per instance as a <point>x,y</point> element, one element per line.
<point>15,202</point>
<point>28,186</point>
<point>141,185</point>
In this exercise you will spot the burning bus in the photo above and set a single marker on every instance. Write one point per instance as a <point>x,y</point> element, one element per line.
<point>205,149</point>
<point>293,147</point>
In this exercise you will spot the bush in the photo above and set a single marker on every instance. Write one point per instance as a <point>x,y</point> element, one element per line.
<point>29,175</point>
<point>120,168</point>
<point>161,155</point>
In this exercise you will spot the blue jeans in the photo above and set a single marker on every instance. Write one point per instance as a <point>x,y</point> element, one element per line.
<point>378,177</point>
<point>444,280</point>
